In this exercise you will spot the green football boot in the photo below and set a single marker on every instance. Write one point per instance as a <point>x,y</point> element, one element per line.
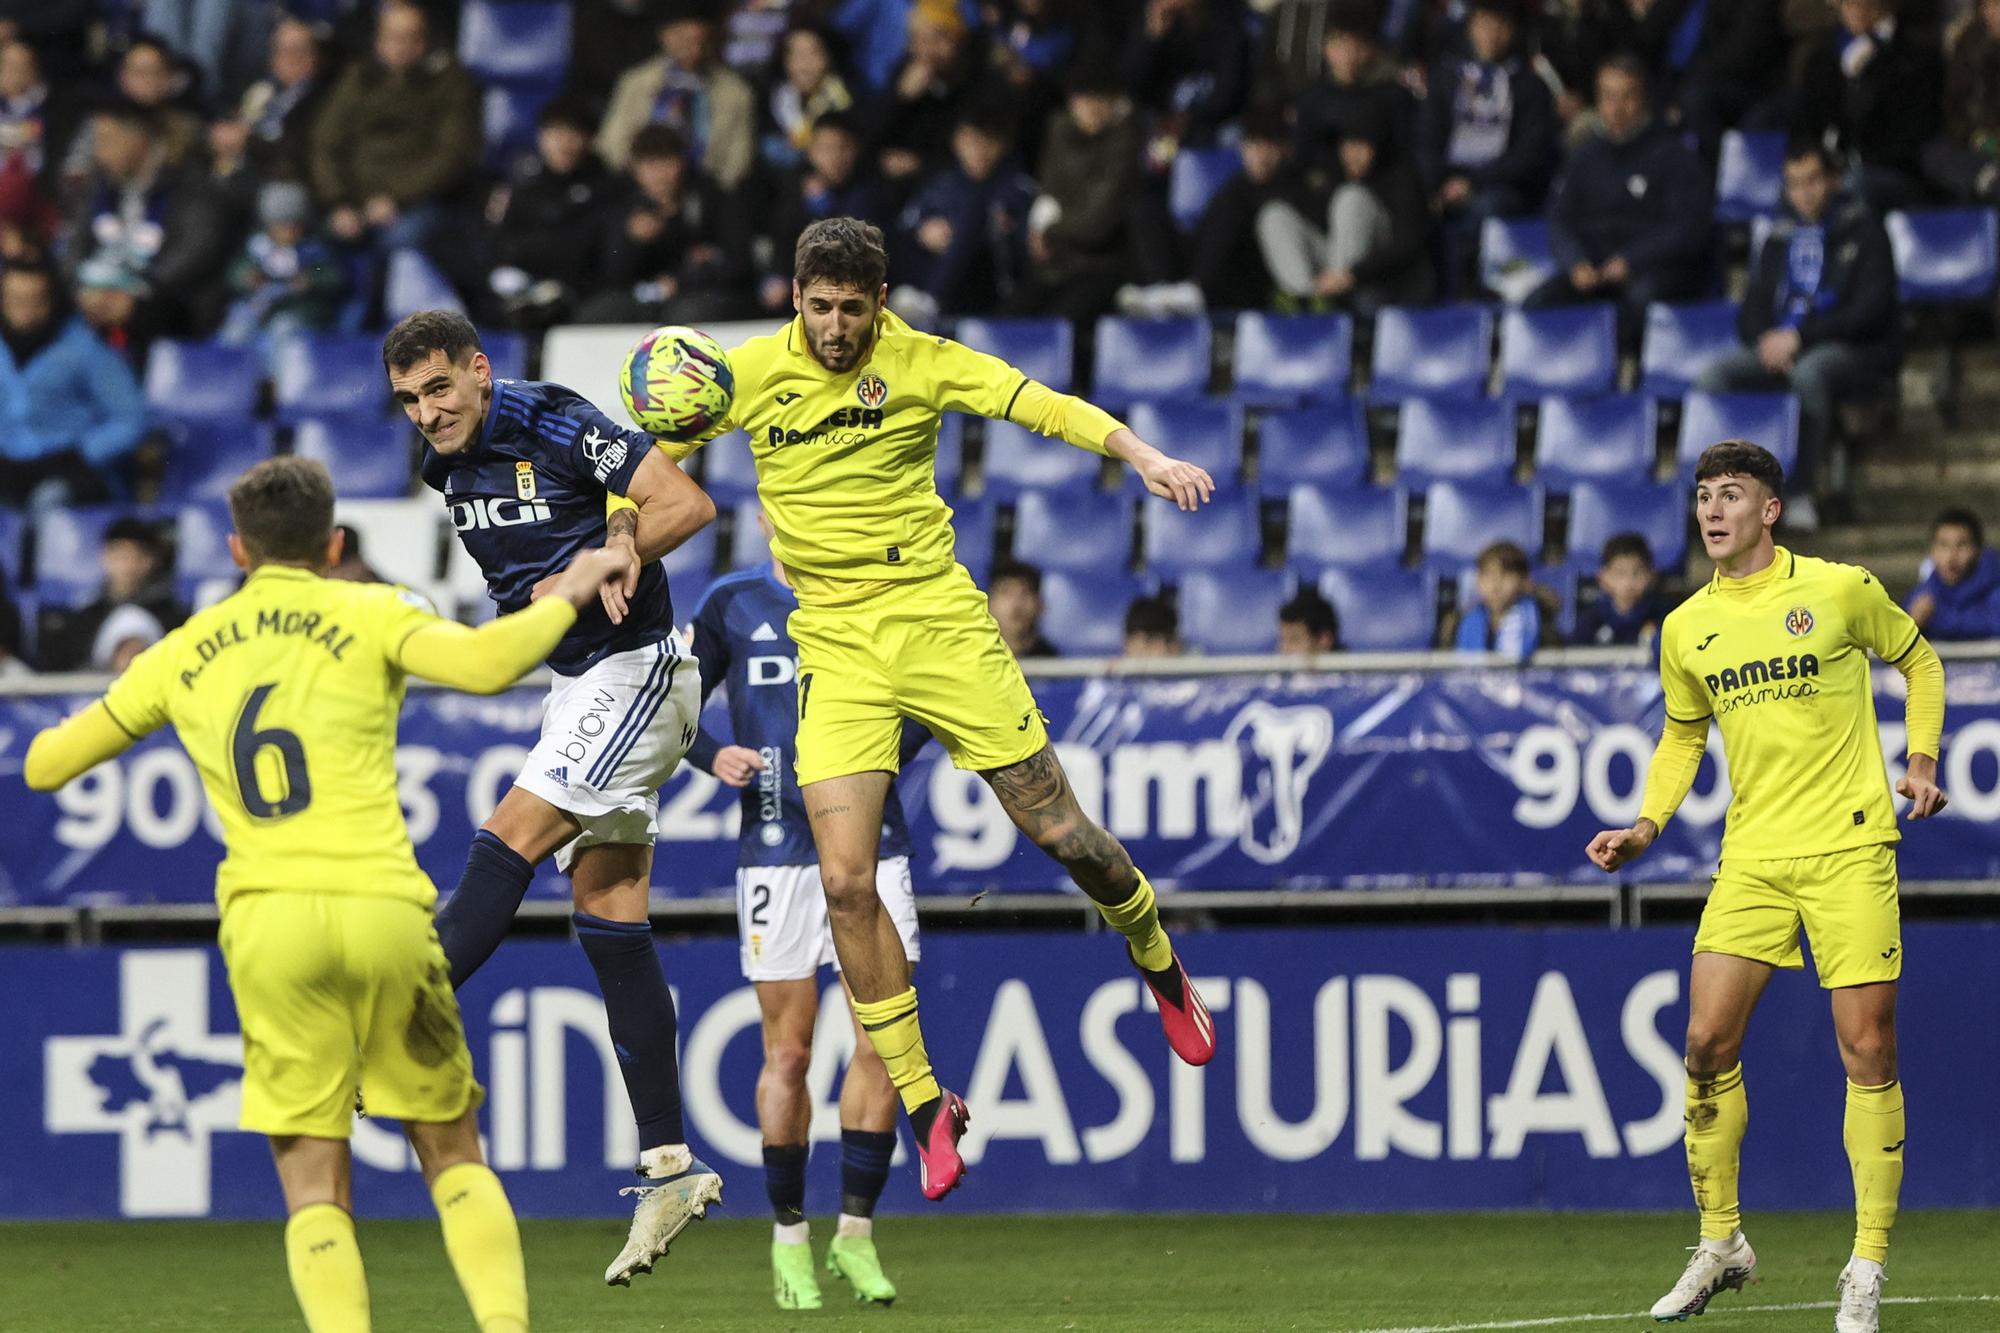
<point>854,1258</point>
<point>792,1280</point>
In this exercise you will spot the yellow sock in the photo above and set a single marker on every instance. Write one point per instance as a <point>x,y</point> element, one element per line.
<point>1717,1114</point>
<point>325,1263</point>
<point>892,1029</point>
<point>1873,1133</point>
<point>484,1243</point>
<point>1138,920</point>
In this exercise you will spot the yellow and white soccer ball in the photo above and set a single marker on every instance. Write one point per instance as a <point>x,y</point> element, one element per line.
<point>677,384</point>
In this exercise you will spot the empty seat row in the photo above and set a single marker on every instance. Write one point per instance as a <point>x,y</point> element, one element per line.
<point>370,458</point>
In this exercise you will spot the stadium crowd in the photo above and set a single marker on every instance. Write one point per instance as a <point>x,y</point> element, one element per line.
<point>241,173</point>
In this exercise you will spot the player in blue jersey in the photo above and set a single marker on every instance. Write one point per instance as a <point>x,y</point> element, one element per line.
<point>781,918</point>
<point>525,469</point>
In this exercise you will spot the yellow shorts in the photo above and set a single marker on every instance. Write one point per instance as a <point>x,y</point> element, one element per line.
<point>1846,901</point>
<point>338,989</point>
<point>925,649</point>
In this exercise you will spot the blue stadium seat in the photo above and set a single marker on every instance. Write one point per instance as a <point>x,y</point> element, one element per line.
<point>1231,610</point>
<point>1150,358</point>
<point>974,522</point>
<point>1041,349</point>
<point>1750,176</point>
<point>1075,530</point>
<point>1944,256</point>
<point>515,39</point>
<point>1600,510</point>
<point>1359,529</point>
<point>1564,349</point>
<point>207,459</point>
<point>329,374</point>
<point>370,460</point>
<point>67,544</point>
<point>1084,614</point>
<point>950,453</point>
<point>507,351</point>
<point>1207,432</point>
<point>1443,351</point>
<point>1198,175</point>
<point>507,117</point>
<point>202,381</point>
<point>1017,459</point>
<point>1322,445</point>
<point>201,542</point>
<point>1383,610</point>
<point>1462,519</point>
<point>1611,437</point>
<point>1680,341</point>
<point>1286,360</point>
<point>730,473</point>
<point>1454,439</point>
<point>1769,419</point>
<point>414,283</point>
<point>1514,257</point>
<point>1225,531</point>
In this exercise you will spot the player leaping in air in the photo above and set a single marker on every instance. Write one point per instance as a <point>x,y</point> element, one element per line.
<point>1775,649</point>
<point>525,470</point>
<point>842,409</point>
<point>285,694</point>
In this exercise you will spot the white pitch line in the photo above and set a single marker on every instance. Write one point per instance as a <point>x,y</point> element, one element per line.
<point>1562,1321</point>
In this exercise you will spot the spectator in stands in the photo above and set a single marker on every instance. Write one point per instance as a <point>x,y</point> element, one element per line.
<point>1188,63</point>
<point>221,37</point>
<point>1965,162</point>
<point>1630,218</point>
<point>279,109</point>
<point>167,224</point>
<point>1361,82</point>
<point>878,34</point>
<point>1820,314</point>
<point>1627,608</point>
<point>1152,629</point>
<point>1960,597</point>
<point>547,218</point>
<point>1872,88</point>
<point>1079,227</point>
<point>932,87</point>
<point>286,279</point>
<point>1228,261</point>
<point>63,32</point>
<point>688,89</point>
<point>836,181</point>
<point>1032,41</point>
<point>965,232</point>
<point>399,135</point>
<point>1308,624</point>
<point>669,253</point>
<point>1505,618</point>
<point>809,87</point>
<point>111,298</point>
<point>352,566</point>
<point>149,79</point>
<point>1014,596</point>
<point>1374,249</point>
<point>134,609</point>
<point>71,413</point>
<point>607,39</point>
<point>35,118</point>
<point>1487,136</point>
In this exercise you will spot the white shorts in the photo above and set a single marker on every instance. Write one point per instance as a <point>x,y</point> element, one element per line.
<point>781,917</point>
<point>610,738</point>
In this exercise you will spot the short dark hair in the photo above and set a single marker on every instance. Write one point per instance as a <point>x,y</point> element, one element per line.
<point>846,252</point>
<point>571,110</point>
<point>124,111</point>
<point>842,121</point>
<point>1507,555</point>
<point>1354,18</point>
<point>657,140</point>
<point>427,331</point>
<point>1624,544</point>
<point>350,544</point>
<point>136,531</point>
<point>1152,615</point>
<point>1802,146</point>
<point>1740,458</point>
<point>1960,518</point>
<point>1020,571</point>
<point>1313,611</point>
<point>1267,124</point>
<point>283,509</point>
<point>1627,64</point>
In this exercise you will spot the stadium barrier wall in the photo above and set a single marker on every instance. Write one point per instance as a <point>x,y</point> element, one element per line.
<point>1359,1070</point>
<point>1434,775</point>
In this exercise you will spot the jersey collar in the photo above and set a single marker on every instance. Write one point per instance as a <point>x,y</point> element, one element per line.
<point>1784,565</point>
<point>283,572</point>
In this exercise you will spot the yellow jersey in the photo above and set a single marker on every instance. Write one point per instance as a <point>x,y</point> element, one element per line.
<point>847,463</point>
<point>1780,660</point>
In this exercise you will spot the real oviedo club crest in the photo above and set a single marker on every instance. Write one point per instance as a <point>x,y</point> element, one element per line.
<point>1799,622</point>
<point>872,390</point>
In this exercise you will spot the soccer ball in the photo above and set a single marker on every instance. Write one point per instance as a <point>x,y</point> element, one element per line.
<point>677,384</point>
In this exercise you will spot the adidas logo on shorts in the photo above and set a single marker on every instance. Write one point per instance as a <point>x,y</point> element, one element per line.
<point>559,774</point>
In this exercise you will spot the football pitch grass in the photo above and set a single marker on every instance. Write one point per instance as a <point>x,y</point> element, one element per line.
<point>1109,1272</point>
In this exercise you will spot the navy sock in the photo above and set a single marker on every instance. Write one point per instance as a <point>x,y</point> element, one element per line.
<point>476,917</point>
<point>785,1181</point>
<point>864,1168</point>
<point>640,1011</point>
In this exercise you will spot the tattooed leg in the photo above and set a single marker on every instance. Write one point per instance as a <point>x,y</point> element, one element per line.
<point>1037,796</point>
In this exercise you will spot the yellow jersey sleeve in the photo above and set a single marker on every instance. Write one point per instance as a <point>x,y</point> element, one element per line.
<point>1875,621</point>
<point>134,706</point>
<point>1686,700</point>
<point>969,381</point>
<point>137,700</point>
<point>488,659</point>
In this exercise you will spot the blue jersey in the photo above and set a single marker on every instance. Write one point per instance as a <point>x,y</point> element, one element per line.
<point>529,494</point>
<point>740,638</point>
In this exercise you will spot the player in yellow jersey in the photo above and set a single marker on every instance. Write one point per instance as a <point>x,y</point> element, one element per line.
<point>842,408</point>
<point>1775,649</point>
<point>286,694</point>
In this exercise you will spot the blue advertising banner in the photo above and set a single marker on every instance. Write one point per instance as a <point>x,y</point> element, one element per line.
<point>1358,780</point>
<point>1359,1070</point>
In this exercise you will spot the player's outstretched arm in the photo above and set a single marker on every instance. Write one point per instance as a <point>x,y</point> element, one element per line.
<point>488,659</point>
<point>1668,780</point>
<point>1923,713</point>
<point>1169,478</point>
<point>74,746</point>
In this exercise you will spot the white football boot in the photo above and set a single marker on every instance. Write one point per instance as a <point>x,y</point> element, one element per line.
<point>1860,1292</point>
<point>671,1195</point>
<point>1715,1266</point>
